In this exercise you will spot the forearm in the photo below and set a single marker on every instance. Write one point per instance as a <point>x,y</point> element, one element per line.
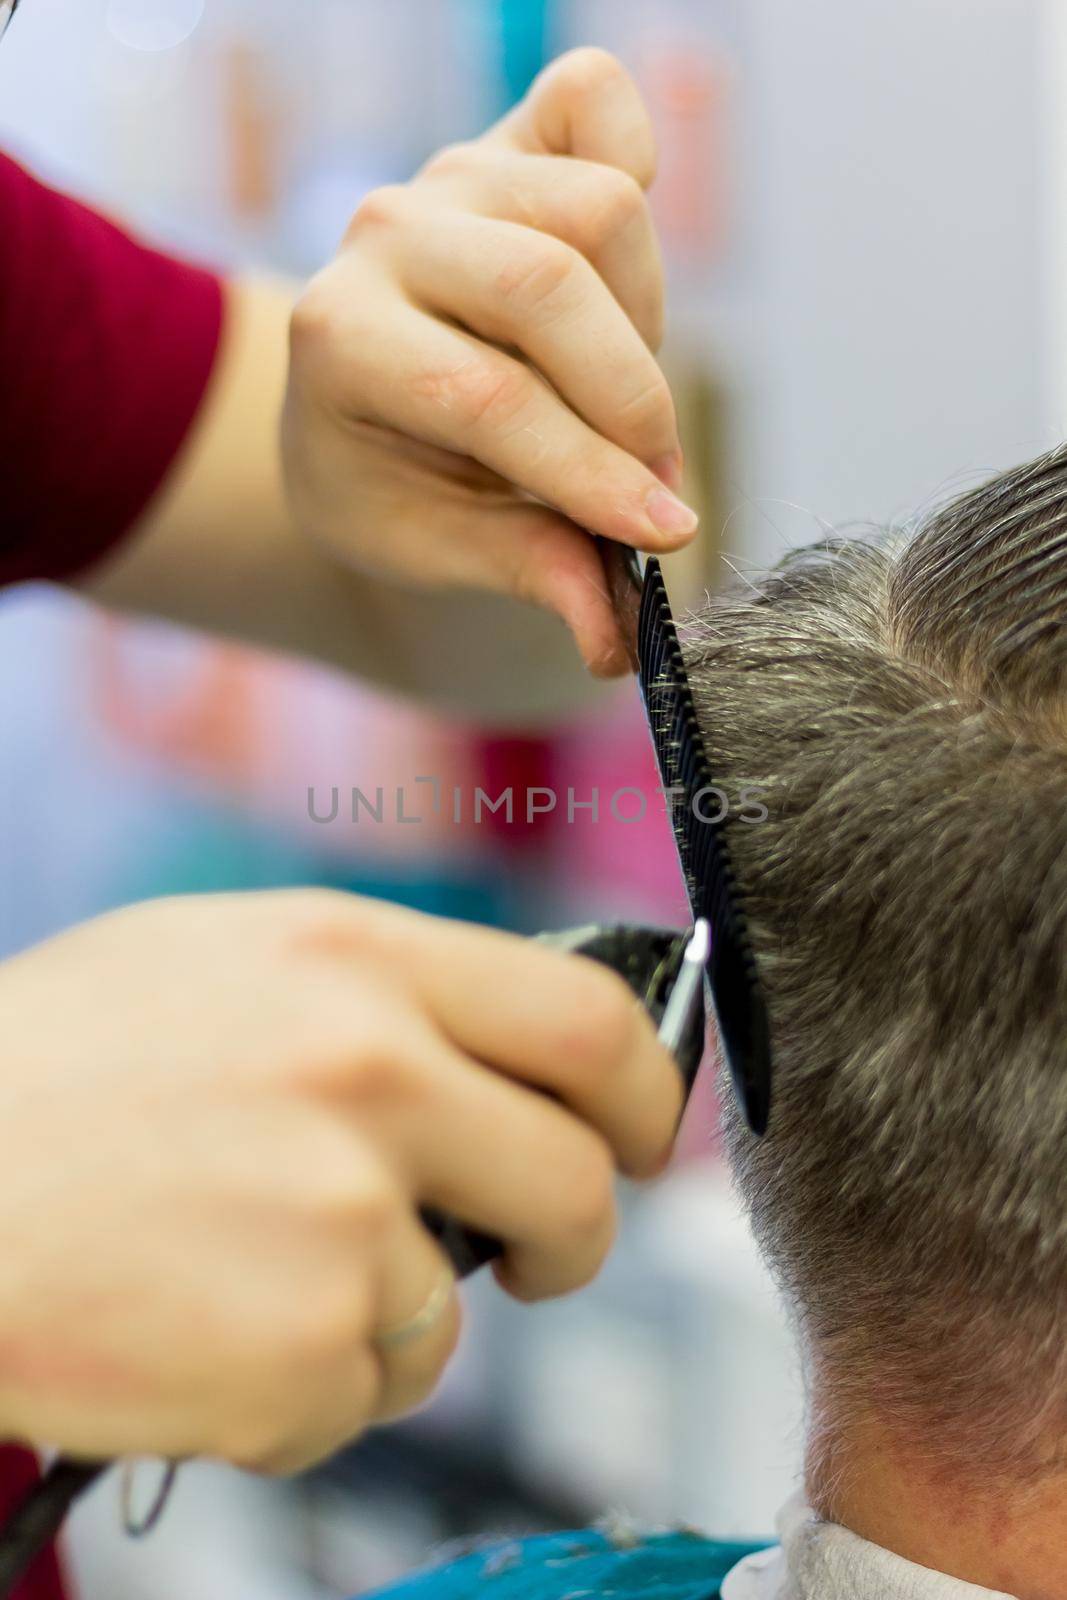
<point>218,550</point>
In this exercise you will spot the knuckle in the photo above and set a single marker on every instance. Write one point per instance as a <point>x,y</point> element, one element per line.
<point>252,1443</point>
<point>329,924</point>
<point>375,1076</point>
<point>618,200</point>
<point>588,68</point>
<point>314,315</point>
<point>381,208</point>
<point>326,1329</point>
<point>312,1337</point>
<point>317,902</point>
<point>376,1209</point>
<point>341,1189</point>
<point>602,1022</point>
<point>651,406</point>
<point>451,159</point>
<point>328,330</point>
<point>589,1191</point>
<point>529,282</point>
<point>484,392</point>
<point>582,76</point>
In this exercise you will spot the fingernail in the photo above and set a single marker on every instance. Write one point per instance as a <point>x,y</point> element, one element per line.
<point>669,469</point>
<point>669,514</point>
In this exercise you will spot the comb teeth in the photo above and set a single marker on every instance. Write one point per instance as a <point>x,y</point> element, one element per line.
<point>702,850</point>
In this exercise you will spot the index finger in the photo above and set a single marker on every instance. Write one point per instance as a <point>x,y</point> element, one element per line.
<point>584,104</point>
<point>561,1023</point>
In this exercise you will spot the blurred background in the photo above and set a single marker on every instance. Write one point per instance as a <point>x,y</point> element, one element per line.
<point>864,214</point>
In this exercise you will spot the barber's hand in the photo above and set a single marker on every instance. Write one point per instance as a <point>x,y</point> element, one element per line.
<point>473,380</point>
<point>218,1119</point>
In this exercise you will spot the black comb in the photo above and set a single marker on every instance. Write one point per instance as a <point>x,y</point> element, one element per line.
<point>701,840</point>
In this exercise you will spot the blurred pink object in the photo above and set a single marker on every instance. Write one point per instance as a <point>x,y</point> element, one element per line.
<point>623,859</point>
<point>691,95</point>
<point>287,741</point>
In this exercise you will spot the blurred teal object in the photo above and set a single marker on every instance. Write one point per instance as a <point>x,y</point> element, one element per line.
<point>681,1565</point>
<point>524,38</point>
<point>210,851</point>
<point>514,39</point>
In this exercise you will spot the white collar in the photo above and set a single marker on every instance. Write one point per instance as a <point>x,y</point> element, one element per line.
<point>819,1560</point>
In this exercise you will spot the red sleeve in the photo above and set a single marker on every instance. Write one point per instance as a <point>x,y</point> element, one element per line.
<point>18,1474</point>
<point>106,348</point>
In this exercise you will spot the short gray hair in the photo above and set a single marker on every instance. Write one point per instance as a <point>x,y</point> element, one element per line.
<point>902,699</point>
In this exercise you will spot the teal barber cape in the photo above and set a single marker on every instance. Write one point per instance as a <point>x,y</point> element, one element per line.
<point>582,1566</point>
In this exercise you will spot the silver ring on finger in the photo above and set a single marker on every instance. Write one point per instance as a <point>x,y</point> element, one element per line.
<point>429,1313</point>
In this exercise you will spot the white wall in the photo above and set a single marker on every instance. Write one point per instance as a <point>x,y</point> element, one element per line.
<point>898,251</point>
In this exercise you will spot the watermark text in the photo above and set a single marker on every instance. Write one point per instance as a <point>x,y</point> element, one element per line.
<point>427,798</point>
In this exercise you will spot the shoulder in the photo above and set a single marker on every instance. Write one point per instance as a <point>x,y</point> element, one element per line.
<point>680,1565</point>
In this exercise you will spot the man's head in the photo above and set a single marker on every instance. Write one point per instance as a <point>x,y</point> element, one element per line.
<point>903,701</point>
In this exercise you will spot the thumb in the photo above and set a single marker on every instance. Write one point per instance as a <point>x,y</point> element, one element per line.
<point>584,104</point>
<point>532,553</point>
<point>554,564</point>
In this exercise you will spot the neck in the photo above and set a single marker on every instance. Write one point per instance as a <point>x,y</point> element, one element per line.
<point>1012,1539</point>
